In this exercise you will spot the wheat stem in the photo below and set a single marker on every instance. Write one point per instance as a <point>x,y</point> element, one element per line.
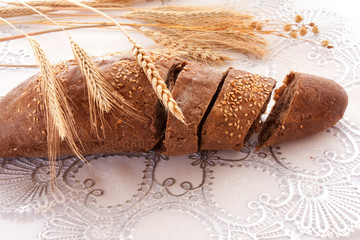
<point>42,14</point>
<point>47,31</point>
<point>19,65</point>
<point>148,67</point>
<point>61,3</point>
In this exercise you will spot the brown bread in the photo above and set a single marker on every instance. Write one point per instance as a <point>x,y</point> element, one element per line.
<point>194,88</point>
<point>222,110</point>
<point>20,111</point>
<point>237,111</point>
<point>305,105</point>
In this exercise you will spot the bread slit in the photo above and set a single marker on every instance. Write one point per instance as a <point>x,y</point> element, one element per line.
<point>210,106</point>
<point>256,126</point>
<point>193,91</point>
<point>237,108</point>
<point>283,97</point>
<point>162,115</point>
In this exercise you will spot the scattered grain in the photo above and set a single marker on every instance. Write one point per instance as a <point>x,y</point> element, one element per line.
<point>298,18</point>
<point>315,29</point>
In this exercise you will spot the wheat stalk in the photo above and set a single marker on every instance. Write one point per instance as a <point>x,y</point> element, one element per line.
<point>48,31</point>
<point>16,10</point>
<point>199,31</point>
<point>60,124</point>
<point>148,67</point>
<point>203,45</point>
<point>64,4</point>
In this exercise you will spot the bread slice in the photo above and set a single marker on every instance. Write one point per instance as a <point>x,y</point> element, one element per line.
<point>194,88</point>
<point>236,113</point>
<point>305,105</point>
<point>23,123</point>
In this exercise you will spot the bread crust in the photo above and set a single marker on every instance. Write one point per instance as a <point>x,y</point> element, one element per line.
<point>236,109</point>
<point>306,104</point>
<point>222,111</point>
<point>23,121</point>
<point>194,88</point>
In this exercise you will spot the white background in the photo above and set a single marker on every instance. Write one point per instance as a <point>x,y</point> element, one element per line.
<point>28,226</point>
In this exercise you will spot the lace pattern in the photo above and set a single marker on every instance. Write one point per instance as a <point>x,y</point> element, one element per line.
<point>290,191</point>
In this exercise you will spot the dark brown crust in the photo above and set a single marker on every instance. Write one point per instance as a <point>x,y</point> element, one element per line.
<point>306,105</point>
<point>236,109</point>
<point>193,91</point>
<point>23,132</point>
<point>221,113</point>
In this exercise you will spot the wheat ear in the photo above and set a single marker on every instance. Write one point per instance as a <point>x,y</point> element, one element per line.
<point>148,67</point>
<point>17,11</point>
<point>60,124</point>
<point>179,45</point>
<point>174,14</point>
<point>101,94</point>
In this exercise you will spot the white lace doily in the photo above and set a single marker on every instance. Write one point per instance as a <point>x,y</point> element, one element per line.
<point>305,189</point>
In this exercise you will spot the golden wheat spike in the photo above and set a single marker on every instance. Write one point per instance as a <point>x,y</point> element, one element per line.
<point>16,11</point>
<point>177,45</point>
<point>60,124</point>
<point>102,96</point>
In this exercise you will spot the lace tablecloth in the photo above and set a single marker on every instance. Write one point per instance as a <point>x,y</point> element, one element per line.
<point>305,189</point>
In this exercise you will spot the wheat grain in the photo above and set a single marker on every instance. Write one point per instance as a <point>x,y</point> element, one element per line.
<point>203,45</point>
<point>101,94</point>
<point>60,124</point>
<point>10,11</point>
<point>60,121</point>
<point>180,14</point>
<point>148,67</point>
<point>200,32</point>
<point>156,81</point>
<point>176,45</point>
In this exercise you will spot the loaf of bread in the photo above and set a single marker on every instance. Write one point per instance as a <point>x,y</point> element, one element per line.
<point>222,110</point>
<point>305,105</point>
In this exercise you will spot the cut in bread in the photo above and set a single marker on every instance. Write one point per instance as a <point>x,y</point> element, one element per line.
<point>236,113</point>
<point>305,105</point>
<point>194,88</point>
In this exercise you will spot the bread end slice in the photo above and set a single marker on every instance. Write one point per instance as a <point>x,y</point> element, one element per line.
<point>305,105</point>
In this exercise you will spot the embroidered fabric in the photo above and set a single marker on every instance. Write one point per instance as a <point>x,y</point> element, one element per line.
<point>308,187</point>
